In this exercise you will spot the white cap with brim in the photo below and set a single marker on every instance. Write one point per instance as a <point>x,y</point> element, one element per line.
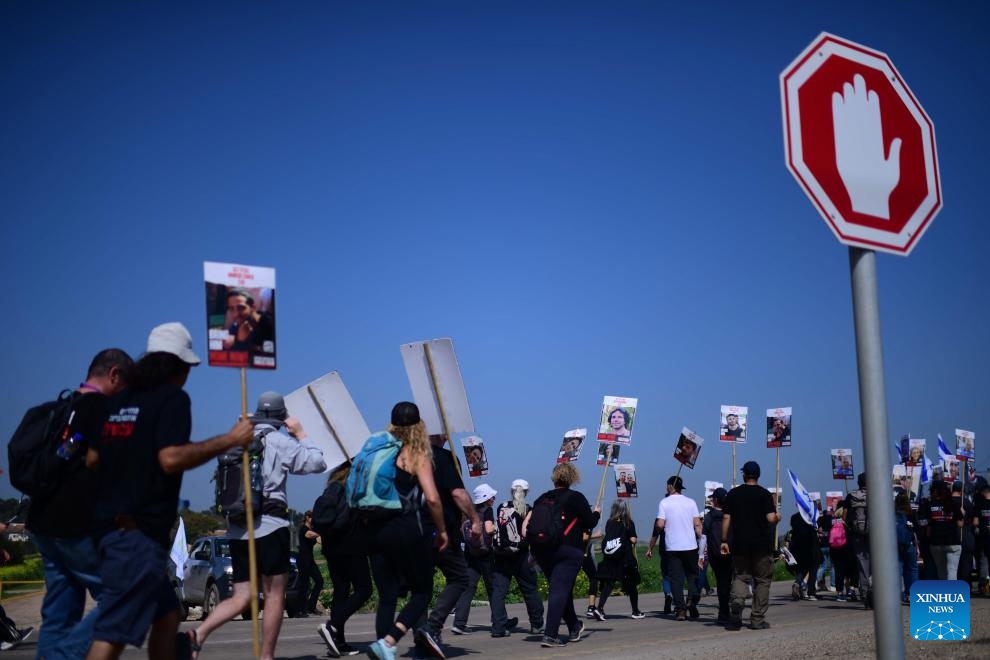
<point>175,339</point>
<point>483,493</point>
<point>520,483</point>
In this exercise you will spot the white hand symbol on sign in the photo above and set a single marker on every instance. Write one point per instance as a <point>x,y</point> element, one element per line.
<point>869,178</point>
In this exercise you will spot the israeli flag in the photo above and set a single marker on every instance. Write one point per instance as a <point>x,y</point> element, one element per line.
<point>803,500</point>
<point>926,470</point>
<point>943,451</point>
<point>179,552</point>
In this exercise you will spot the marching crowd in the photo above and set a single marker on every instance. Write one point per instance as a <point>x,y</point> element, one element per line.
<point>104,528</point>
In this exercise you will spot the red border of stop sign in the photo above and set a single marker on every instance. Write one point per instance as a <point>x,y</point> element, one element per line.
<point>807,86</point>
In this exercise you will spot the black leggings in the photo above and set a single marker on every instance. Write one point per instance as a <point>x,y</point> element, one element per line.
<point>591,571</point>
<point>400,553</point>
<point>351,580</point>
<point>607,584</point>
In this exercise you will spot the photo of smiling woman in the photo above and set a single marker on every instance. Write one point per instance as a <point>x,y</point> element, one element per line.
<point>570,448</point>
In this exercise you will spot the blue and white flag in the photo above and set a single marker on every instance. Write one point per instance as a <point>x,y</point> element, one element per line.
<point>802,498</point>
<point>943,451</point>
<point>926,470</point>
<point>179,552</point>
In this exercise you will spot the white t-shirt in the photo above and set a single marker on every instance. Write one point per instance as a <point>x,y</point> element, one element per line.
<point>678,513</point>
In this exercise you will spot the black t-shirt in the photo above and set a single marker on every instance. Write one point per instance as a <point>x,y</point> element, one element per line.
<point>981,510</point>
<point>447,479</point>
<point>131,480</point>
<point>306,544</point>
<point>942,522</point>
<point>68,512</point>
<point>748,506</point>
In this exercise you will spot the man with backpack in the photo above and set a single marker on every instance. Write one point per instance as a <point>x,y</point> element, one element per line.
<point>60,521</point>
<point>281,447</point>
<point>857,521</point>
<point>512,561</point>
<point>140,456</point>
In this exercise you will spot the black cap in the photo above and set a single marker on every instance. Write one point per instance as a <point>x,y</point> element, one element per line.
<point>676,482</point>
<point>752,468</point>
<point>405,414</point>
<point>271,406</point>
<point>719,494</point>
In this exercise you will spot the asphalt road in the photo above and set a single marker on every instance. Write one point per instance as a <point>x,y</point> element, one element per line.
<point>822,629</point>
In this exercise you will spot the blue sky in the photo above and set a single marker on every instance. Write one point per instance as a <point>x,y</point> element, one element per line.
<point>590,198</point>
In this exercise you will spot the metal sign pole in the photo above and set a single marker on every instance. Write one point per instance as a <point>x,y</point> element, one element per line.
<point>886,587</point>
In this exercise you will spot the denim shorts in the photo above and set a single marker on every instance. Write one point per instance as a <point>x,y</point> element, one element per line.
<point>136,587</point>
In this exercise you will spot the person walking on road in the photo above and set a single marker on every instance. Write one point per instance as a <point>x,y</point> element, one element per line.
<point>679,519</point>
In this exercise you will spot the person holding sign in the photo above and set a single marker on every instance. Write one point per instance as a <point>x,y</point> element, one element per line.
<point>139,459</point>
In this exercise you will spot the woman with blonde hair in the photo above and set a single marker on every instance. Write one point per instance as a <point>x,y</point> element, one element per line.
<point>561,563</point>
<point>399,550</point>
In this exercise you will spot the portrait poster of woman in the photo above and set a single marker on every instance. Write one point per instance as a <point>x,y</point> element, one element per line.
<point>965,445</point>
<point>570,447</point>
<point>617,418</point>
<point>603,448</point>
<point>916,452</point>
<point>240,315</point>
<point>475,456</point>
<point>778,427</point>
<point>688,447</point>
<point>625,480</point>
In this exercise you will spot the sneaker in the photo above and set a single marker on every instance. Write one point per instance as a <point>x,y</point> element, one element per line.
<point>551,642</point>
<point>504,633</point>
<point>599,615</point>
<point>327,634</point>
<point>512,623</point>
<point>379,650</point>
<point>680,615</point>
<point>638,615</point>
<point>796,591</point>
<point>590,614</point>
<point>693,611</point>
<point>429,640</point>
<point>576,634</point>
<point>460,630</point>
<point>810,597</point>
<point>536,630</point>
<point>347,650</point>
<point>735,622</point>
<point>23,634</point>
<point>762,625</point>
<point>841,598</point>
<point>832,589</point>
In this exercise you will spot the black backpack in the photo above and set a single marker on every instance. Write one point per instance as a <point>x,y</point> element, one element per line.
<point>615,542</point>
<point>230,490</point>
<point>547,523</point>
<point>331,514</point>
<point>508,539</point>
<point>859,523</point>
<point>34,466</point>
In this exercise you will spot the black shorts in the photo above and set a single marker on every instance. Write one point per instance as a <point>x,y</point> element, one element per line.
<point>271,553</point>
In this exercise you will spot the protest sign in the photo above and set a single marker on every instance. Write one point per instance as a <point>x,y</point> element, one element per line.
<point>618,414</point>
<point>240,315</point>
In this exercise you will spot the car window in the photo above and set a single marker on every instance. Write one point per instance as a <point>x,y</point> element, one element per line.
<point>223,548</point>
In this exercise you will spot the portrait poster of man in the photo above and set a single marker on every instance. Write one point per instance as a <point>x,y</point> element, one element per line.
<point>950,469</point>
<point>625,480</point>
<point>240,315</point>
<point>710,487</point>
<point>832,499</point>
<point>778,428</point>
<point>842,463</point>
<point>570,447</point>
<point>916,452</point>
<point>733,424</point>
<point>688,447</point>
<point>617,419</point>
<point>603,448</point>
<point>475,456</point>
<point>965,445</point>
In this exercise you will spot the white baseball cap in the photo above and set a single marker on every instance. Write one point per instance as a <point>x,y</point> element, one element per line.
<point>483,493</point>
<point>520,483</point>
<point>175,339</point>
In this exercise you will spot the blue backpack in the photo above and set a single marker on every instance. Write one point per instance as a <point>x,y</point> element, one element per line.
<point>371,491</point>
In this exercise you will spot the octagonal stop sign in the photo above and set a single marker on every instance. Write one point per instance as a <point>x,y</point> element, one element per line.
<point>860,145</point>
